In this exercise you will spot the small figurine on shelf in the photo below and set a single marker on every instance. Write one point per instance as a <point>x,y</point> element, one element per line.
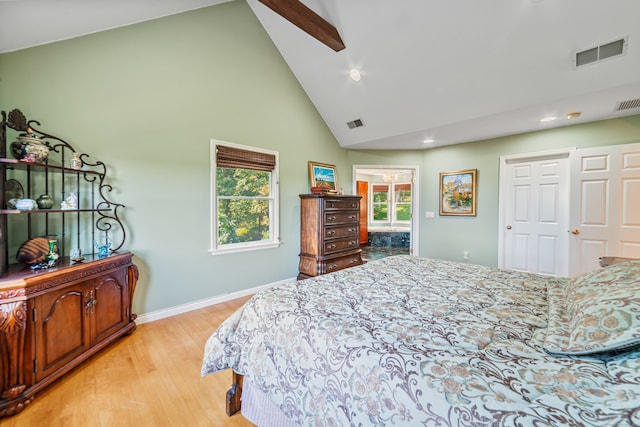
<point>76,161</point>
<point>103,250</point>
<point>76,255</point>
<point>71,202</point>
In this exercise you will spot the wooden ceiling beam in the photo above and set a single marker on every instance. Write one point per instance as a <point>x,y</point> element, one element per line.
<point>307,20</point>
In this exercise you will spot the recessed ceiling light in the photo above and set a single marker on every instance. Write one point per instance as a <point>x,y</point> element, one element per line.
<point>354,74</point>
<point>548,119</point>
<point>573,115</point>
<point>428,141</point>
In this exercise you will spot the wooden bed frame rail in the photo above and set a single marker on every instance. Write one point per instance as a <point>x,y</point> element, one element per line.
<point>234,393</point>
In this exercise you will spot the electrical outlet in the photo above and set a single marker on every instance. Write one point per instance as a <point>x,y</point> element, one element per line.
<point>465,254</point>
<point>430,215</point>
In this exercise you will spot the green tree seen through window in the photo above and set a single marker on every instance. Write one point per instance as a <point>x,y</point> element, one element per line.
<point>380,203</point>
<point>243,205</point>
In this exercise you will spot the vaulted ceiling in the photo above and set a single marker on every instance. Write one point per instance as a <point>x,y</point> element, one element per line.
<point>449,71</point>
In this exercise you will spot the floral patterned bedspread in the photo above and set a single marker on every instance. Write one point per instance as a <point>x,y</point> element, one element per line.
<point>414,341</point>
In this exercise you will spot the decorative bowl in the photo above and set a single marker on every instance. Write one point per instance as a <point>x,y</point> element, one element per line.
<point>26,205</point>
<point>29,149</point>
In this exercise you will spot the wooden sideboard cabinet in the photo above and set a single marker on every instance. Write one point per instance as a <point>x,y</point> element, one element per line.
<point>59,313</point>
<point>329,233</point>
<point>53,320</point>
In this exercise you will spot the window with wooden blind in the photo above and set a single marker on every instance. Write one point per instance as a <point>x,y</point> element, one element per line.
<point>390,203</point>
<point>380,202</point>
<point>402,202</point>
<point>244,202</point>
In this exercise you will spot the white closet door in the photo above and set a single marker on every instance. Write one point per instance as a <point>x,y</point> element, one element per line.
<point>535,215</point>
<point>605,201</point>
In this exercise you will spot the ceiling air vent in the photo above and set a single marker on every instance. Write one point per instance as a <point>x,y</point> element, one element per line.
<point>355,124</point>
<point>600,53</point>
<point>627,105</point>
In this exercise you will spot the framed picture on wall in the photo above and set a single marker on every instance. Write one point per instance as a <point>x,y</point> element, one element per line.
<point>323,177</point>
<point>458,193</point>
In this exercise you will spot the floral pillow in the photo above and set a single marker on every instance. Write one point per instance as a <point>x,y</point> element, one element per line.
<point>597,312</point>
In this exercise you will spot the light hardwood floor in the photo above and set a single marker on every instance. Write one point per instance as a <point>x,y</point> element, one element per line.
<point>150,378</point>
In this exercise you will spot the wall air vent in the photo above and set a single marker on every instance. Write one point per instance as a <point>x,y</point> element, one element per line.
<point>355,124</point>
<point>600,53</point>
<point>627,105</point>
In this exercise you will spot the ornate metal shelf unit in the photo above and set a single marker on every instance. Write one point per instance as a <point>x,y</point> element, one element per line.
<point>54,318</point>
<point>54,176</point>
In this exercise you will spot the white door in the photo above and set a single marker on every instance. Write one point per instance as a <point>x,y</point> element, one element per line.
<point>605,200</point>
<point>535,204</point>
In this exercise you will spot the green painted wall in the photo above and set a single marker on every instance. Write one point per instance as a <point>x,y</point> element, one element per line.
<point>146,100</point>
<point>448,237</point>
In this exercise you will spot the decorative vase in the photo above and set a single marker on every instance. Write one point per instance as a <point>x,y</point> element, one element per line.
<point>44,201</point>
<point>76,161</point>
<point>52,257</point>
<point>33,149</point>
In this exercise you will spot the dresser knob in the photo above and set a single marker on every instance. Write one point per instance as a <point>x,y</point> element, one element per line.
<point>332,218</point>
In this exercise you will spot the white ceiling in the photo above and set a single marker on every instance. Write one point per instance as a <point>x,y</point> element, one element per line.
<point>453,71</point>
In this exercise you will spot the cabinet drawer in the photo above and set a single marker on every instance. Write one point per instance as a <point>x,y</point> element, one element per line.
<point>339,232</point>
<point>341,204</point>
<point>340,245</point>
<point>341,217</point>
<point>341,263</point>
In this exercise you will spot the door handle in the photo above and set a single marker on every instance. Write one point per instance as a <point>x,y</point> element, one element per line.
<point>508,227</point>
<point>575,231</point>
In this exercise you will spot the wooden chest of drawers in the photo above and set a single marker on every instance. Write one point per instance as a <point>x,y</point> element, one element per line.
<point>329,233</point>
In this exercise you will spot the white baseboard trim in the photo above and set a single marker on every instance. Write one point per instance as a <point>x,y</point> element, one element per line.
<point>184,308</point>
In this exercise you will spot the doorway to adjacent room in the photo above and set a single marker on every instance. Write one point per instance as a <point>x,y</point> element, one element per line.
<point>389,200</point>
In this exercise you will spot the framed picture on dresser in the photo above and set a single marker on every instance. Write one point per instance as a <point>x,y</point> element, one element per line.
<point>323,176</point>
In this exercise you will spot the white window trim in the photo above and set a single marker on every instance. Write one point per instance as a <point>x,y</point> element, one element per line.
<point>274,216</point>
<point>391,204</point>
<point>394,203</point>
<point>371,205</point>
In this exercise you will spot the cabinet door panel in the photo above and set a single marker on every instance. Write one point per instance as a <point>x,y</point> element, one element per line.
<point>61,333</point>
<point>110,310</point>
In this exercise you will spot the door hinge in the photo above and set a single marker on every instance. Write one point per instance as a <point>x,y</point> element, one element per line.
<point>35,365</point>
<point>34,315</point>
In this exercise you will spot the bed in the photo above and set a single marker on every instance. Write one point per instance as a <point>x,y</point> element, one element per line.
<point>422,342</point>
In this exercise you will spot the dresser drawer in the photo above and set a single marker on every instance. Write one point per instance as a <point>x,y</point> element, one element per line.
<point>341,217</point>
<point>341,245</point>
<point>340,232</point>
<point>342,204</point>
<point>336,264</point>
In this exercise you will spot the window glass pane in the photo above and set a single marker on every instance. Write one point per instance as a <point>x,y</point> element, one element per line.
<point>380,203</point>
<point>403,196</point>
<point>402,202</point>
<point>380,212</point>
<point>380,197</point>
<point>242,182</point>
<point>403,212</point>
<point>241,221</point>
